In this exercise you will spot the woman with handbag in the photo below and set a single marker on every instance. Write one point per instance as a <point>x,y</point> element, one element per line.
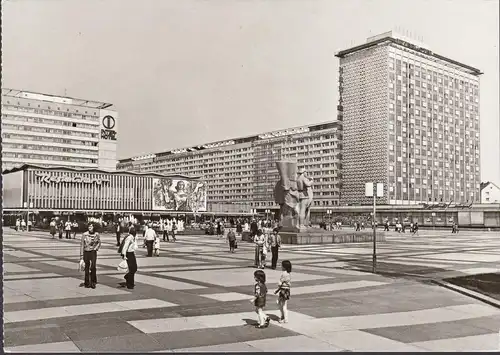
<point>91,242</point>
<point>128,254</point>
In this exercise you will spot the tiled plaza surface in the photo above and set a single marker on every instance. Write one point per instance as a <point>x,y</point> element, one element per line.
<point>195,297</point>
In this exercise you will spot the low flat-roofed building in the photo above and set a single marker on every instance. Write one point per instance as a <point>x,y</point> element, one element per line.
<point>54,189</point>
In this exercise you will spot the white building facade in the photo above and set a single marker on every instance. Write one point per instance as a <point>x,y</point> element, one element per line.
<point>490,193</point>
<point>241,173</point>
<point>410,121</point>
<point>51,131</point>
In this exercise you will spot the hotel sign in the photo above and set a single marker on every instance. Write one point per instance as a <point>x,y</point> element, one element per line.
<point>108,133</point>
<point>49,178</point>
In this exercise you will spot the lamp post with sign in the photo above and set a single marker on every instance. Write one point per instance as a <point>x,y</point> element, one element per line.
<point>329,213</point>
<point>28,206</point>
<point>374,190</point>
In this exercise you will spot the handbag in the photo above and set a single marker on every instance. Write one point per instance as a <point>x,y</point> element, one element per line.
<point>81,265</point>
<point>123,266</point>
<point>235,244</point>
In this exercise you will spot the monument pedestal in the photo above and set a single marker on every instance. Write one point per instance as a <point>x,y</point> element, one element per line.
<point>321,236</point>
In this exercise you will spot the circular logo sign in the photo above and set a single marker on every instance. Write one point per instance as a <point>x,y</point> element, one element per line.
<point>108,122</point>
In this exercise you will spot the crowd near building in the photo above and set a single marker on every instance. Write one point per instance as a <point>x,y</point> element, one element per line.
<point>57,131</point>
<point>407,117</point>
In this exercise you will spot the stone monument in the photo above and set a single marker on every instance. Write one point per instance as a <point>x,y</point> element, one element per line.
<point>293,193</point>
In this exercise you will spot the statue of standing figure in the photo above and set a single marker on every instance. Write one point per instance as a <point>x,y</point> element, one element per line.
<point>293,192</point>
<point>304,186</point>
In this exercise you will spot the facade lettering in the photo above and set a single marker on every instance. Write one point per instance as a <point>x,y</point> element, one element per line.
<point>48,178</point>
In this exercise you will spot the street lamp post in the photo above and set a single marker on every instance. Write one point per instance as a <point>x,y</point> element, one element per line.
<point>329,213</point>
<point>374,190</point>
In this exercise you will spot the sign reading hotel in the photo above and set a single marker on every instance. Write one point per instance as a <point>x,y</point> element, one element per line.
<point>49,178</point>
<point>107,130</point>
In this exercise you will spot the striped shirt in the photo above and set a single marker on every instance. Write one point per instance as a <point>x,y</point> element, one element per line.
<point>90,242</point>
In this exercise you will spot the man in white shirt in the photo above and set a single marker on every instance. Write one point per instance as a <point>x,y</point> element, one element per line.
<point>149,237</point>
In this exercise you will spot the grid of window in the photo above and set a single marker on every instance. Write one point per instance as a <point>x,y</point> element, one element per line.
<point>48,133</point>
<point>433,131</point>
<point>246,171</point>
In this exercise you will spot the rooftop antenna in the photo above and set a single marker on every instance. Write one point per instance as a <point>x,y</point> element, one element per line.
<point>65,92</point>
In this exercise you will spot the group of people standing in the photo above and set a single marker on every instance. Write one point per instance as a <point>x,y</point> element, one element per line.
<point>68,228</point>
<point>90,245</point>
<point>265,242</point>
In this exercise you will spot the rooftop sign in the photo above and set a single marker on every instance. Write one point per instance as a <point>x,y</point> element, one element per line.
<point>48,178</point>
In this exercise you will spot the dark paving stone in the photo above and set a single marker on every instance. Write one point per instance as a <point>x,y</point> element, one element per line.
<point>220,309</point>
<point>491,323</point>
<point>84,330</point>
<point>125,343</point>
<point>38,335</point>
<point>428,332</point>
<point>216,336</point>
<point>208,290</point>
<point>21,306</point>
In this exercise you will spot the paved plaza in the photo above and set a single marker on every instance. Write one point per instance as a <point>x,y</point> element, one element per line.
<point>195,297</point>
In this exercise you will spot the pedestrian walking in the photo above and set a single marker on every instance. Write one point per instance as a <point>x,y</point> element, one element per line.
<point>275,242</point>
<point>259,241</point>
<point>174,230</point>
<point>91,242</point>
<point>118,233</point>
<point>259,299</point>
<point>52,226</point>
<point>283,290</point>
<point>149,238</point>
<point>67,229</point>
<point>231,237</point>
<point>156,246</point>
<point>128,254</point>
<point>74,228</point>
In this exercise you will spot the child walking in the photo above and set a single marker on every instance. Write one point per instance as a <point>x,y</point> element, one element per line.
<point>156,246</point>
<point>259,299</point>
<point>284,290</point>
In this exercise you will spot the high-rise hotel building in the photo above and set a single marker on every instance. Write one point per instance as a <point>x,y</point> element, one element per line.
<point>50,131</point>
<point>241,172</point>
<point>410,121</point>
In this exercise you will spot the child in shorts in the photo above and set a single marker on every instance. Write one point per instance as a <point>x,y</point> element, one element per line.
<point>283,290</point>
<point>259,299</point>
<point>156,246</point>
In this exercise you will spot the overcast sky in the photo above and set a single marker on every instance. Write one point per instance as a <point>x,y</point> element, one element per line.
<point>186,72</point>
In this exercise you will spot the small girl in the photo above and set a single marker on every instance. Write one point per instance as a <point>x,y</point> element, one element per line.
<point>259,299</point>
<point>156,245</point>
<point>284,290</point>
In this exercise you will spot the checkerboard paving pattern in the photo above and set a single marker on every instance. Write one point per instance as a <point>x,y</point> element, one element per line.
<point>195,297</point>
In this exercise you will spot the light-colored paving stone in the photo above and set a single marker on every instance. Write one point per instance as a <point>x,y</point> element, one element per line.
<point>292,344</point>
<point>228,296</point>
<point>434,315</point>
<point>58,288</point>
<point>61,347</point>
<point>486,342</point>
<point>150,326</point>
